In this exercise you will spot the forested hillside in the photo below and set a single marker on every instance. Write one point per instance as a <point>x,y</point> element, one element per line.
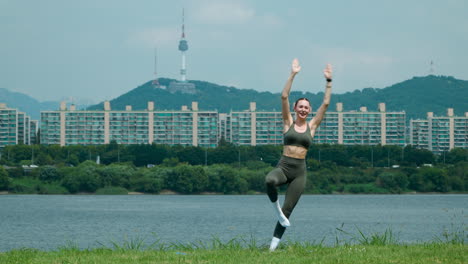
<point>416,97</point>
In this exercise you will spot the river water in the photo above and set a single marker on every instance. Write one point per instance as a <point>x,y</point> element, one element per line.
<point>48,222</point>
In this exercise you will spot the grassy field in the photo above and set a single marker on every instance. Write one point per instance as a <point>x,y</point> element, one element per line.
<point>291,253</point>
<point>361,248</point>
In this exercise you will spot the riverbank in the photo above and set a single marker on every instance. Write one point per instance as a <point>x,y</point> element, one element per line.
<point>169,192</point>
<point>233,253</point>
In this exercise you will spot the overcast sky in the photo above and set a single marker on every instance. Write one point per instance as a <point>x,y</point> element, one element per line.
<point>100,49</point>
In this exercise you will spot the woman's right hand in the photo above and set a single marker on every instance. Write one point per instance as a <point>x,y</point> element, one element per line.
<point>295,67</point>
<point>327,72</point>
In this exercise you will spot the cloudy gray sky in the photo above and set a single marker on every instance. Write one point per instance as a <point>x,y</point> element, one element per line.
<point>100,49</point>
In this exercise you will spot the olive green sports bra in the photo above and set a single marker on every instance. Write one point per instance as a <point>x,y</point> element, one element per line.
<point>293,138</point>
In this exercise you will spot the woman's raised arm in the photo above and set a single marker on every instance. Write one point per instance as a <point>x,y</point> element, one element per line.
<point>315,122</point>
<point>287,118</point>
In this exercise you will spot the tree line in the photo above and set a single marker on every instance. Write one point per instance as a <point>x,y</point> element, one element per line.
<point>226,169</point>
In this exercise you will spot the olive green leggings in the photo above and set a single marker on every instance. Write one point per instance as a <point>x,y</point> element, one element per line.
<point>289,171</point>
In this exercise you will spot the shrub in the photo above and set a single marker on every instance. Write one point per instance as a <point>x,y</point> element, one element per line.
<point>4,180</point>
<point>394,181</point>
<point>49,174</point>
<point>148,181</point>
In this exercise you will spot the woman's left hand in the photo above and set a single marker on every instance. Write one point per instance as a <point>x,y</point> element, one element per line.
<point>327,72</point>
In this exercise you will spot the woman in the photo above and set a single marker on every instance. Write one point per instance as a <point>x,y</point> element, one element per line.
<point>298,135</point>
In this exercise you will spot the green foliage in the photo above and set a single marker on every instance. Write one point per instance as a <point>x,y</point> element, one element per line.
<point>4,179</point>
<point>320,181</point>
<point>395,181</point>
<point>456,155</point>
<point>49,174</point>
<point>170,162</point>
<point>51,188</point>
<point>25,185</point>
<point>418,157</point>
<point>225,179</point>
<point>44,159</point>
<point>148,180</point>
<point>115,175</point>
<point>432,180</point>
<point>72,160</point>
<point>83,179</point>
<point>25,162</point>
<point>187,179</point>
<point>255,178</point>
<point>458,176</point>
<point>241,169</point>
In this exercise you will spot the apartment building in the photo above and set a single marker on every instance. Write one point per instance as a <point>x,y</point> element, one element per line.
<point>251,127</point>
<point>440,133</point>
<point>192,127</point>
<point>69,126</point>
<point>15,127</point>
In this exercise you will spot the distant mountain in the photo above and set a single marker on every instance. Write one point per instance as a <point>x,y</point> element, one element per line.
<point>416,96</point>
<point>26,103</point>
<point>29,105</point>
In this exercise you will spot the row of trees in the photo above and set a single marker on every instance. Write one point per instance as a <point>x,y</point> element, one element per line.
<point>323,177</point>
<point>225,153</point>
<point>227,169</point>
<point>171,175</point>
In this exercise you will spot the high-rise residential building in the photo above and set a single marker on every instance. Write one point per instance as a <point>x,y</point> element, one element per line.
<point>192,127</point>
<point>419,134</point>
<point>224,126</point>
<point>23,128</point>
<point>15,127</point>
<point>460,131</point>
<point>8,126</point>
<point>361,127</point>
<point>440,133</point>
<point>33,132</point>
<point>364,127</point>
<point>252,127</point>
<point>184,127</point>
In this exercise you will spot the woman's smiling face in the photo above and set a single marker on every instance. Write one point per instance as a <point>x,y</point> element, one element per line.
<point>302,109</point>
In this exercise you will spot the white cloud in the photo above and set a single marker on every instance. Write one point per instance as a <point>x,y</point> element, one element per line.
<point>271,20</point>
<point>150,37</point>
<point>223,12</point>
<point>344,56</point>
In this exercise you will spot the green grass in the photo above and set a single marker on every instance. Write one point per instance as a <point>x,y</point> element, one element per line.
<point>350,248</point>
<point>292,253</point>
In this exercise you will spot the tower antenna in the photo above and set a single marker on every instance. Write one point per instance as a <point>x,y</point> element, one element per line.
<point>431,69</point>
<point>155,81</point>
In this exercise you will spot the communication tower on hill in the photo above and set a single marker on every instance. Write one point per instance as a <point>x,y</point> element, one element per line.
<point>182,86</point>
<point>183,47</point>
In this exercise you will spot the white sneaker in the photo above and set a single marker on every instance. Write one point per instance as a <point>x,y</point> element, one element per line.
<point>274,244</point>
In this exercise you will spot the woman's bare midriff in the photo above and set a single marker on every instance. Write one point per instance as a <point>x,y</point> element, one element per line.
<point>294,152</point>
